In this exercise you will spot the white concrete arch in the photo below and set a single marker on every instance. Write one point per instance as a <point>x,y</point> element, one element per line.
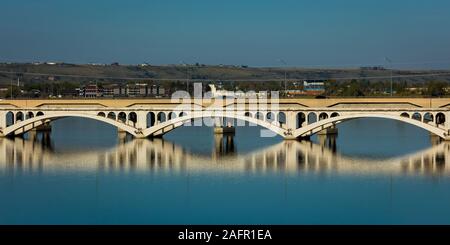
<point>36,121</point>
<point>322,116</point>
<point>324,124</point>
<point>312,117</point>
<point>170,125</point>
<point>161,117</point>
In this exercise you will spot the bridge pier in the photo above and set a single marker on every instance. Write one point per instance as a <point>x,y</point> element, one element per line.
<point>223,126</point>
<point>224,130</point>
<point>46,127</point>
<point>223,145</point>
<point>329,131</point>
<point>121,131</point>
<point>303,138</point>
<point>159,136</point>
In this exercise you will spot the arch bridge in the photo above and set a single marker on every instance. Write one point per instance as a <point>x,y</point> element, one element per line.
<point>289,118</point>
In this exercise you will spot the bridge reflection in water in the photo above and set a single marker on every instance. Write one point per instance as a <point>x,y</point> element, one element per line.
<point>142,155</point>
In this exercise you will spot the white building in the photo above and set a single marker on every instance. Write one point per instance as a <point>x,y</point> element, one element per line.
<point>215,93</point>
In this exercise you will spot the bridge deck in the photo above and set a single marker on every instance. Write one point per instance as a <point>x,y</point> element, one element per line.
<point>313,103</point>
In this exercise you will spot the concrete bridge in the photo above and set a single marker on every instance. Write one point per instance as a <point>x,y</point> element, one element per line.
<point>289,118</point>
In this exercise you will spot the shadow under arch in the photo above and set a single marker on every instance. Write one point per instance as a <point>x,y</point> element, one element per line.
<point>333,121</point>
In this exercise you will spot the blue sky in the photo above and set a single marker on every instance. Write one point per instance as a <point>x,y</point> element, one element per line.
<point>310,33</point>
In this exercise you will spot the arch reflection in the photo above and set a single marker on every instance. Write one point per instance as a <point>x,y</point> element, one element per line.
<point>142,155</point>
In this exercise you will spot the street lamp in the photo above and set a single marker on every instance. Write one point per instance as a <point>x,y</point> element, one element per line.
<point>285,74</point>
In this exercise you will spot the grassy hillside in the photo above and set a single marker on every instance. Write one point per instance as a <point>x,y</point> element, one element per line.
<point>114,73</point>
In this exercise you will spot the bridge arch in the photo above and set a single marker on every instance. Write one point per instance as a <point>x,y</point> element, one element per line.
<point>323,116</point>
<point>29,115</point>
<point>330,122</point>
<point>300,119</point>
<point>440,118</point>
<point>161,117</point>
<point>417,116</point>
<point>170,125</point>
<point>259,116</point>
<point>132,118</point>
<point>428,117</point>
<point>270,117</point>
<point>334,114</point>
<point>151,119</point>
<point>282,119</point>
<point>9,118</point>
<point>312,118</point>
<point>19,116</point>
<point>172,115</point>
<point>112,116</point>
<point>122,117</point>
<point>29,124</point>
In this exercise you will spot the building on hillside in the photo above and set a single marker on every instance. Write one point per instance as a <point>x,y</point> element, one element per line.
<point>108,90</point>
<point>314,87</point>
<point>156,90</point>
<point>119,91</point>
<point>294,92</point>
<point>91,91</point>
<point>137,90</point>
<point>221,93</point>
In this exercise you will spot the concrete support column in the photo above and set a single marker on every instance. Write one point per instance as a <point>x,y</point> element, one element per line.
<point>2,122</point>
<point>157,118</point>
<point>2,119</point>
<point>127,119</point>
<point>141,120</point>
<point>218,121</point>
<point>447,120</point>
<point>291,120</point>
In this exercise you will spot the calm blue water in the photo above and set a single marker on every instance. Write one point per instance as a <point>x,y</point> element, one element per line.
<point>375,172</point>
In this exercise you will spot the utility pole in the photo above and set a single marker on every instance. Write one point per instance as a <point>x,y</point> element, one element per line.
<point>187,75</point>
<point>187,79</point>
<point>285,75</point>
<point>392,91</point>
<point>390,67</point>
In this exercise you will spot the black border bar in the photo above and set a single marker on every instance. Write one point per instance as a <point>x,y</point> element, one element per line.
<point>171,233</point>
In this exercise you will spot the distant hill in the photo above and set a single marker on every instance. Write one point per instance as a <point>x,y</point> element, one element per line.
<point>116,73</point>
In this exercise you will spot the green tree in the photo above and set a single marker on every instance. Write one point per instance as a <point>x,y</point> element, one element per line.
<point>436,88</point>
<point>14,92</point>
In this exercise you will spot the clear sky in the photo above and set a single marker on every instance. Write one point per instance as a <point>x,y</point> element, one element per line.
<point>331,33</point>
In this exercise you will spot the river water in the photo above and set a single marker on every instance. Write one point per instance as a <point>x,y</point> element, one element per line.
<point>374,172</point>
